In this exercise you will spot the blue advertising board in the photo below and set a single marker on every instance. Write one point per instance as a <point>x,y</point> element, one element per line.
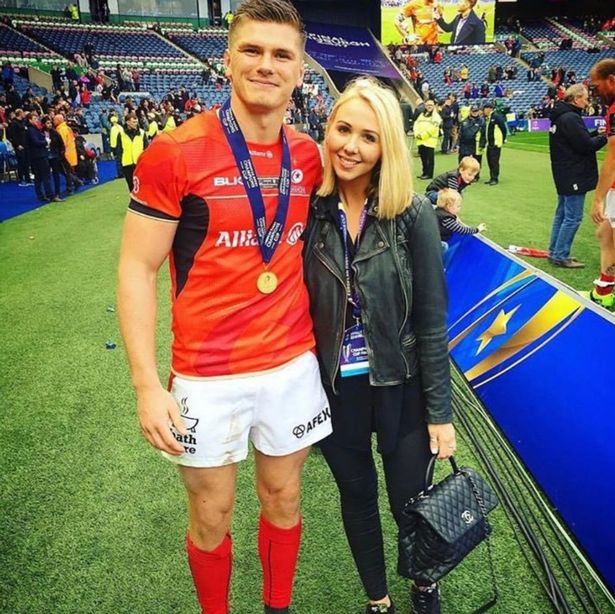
<point>539,357</point>
<point>347,49</point>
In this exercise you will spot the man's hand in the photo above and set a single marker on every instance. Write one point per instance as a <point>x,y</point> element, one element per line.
<point>442,440</point>
<point>157,409</point>
<point>597,211</point>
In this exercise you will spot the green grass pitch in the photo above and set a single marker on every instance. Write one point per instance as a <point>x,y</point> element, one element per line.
<point>92,519</point>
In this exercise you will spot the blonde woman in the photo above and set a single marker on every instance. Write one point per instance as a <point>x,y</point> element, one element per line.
<point>374,272</point>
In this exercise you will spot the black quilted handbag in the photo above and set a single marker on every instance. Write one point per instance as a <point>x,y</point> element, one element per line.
<point>444,523</point>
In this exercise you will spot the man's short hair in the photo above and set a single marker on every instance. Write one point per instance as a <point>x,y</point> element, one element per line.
<point>472,3</point>
<point>574,91</point>
<point>273,11</point>
<point>604,68</point>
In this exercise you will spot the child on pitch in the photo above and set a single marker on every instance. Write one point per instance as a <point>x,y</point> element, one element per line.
<point>448,206</point>
<point>457,179</point>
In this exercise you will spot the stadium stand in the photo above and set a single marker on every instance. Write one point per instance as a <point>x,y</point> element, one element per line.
<point>522,93</point>
<point>13,42</point>
<point>578,59</point>
<point>544,35</point>
<point>204,44</point>
<point>107,41</point>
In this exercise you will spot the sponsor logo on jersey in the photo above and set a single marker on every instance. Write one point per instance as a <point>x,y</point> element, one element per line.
<point>267,183</point>
<point>294,234</point>
<point>248,238</point>
<point>136,184</point>
<point>261,154</point>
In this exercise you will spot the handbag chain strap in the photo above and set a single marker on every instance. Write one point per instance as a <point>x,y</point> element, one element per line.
<point>483,511</point>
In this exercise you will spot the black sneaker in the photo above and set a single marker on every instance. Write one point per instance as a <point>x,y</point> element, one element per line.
<point>380,608</point>
<point>425,601</point>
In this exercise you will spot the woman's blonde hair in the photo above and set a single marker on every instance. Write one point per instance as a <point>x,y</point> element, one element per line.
<point>391,182</point>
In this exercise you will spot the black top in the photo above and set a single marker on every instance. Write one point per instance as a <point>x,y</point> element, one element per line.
<point>371,409</point>
<point>573,151</point>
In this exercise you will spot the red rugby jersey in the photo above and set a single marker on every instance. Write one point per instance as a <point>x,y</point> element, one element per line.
<point>222,324</point>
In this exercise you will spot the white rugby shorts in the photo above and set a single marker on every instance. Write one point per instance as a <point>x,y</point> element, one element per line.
<point>609,210</point>
<point>280,411</point>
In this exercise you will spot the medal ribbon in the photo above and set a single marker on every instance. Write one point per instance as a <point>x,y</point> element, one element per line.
<point>351,293</point>
<point>268,239</point>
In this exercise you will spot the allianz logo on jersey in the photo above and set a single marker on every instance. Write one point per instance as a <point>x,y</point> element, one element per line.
<point>248,238</point>
<point>296,177</point>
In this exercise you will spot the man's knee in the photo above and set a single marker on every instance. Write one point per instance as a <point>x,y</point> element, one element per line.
<point>605,234</point>
<point>211,495</point>
<point>280,499</point>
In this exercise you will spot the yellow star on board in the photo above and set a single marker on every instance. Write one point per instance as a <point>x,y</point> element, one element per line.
<point>497,328</point>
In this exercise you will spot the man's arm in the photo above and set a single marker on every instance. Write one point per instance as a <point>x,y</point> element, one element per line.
<point>605,181</point>
<point>447,27</point>
<point>145,245</point>
<point>578,138</point>
<point>480,34</point>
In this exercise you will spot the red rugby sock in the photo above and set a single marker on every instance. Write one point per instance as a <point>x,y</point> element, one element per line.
<point>278,550</point>
<point>211,572</point>
<point>607,289</point>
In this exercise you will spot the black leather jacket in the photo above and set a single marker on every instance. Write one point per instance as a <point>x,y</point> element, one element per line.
<point>400,281</point>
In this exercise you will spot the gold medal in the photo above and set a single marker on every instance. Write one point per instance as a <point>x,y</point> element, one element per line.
<point>267,282</point>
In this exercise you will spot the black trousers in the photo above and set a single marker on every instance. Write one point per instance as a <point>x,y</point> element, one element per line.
<point>40,167</point>
<point>493,160</point>
<point>56,170</point>
<point>427,160</point>
<point>355,474</point>
<point>128,172</point>
<point>67,169</point>
<point>447,141</point>
<point>23,165</point>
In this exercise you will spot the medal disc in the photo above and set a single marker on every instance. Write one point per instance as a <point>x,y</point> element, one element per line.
<point>267,282</point>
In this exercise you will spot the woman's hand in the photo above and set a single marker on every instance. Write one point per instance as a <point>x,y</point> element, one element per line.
<point>442,440</point>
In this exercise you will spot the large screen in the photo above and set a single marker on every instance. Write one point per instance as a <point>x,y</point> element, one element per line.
<point>438,22</point>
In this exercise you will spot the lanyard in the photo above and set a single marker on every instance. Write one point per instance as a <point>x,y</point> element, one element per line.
<point>351,293</point>
<point>268,239</point>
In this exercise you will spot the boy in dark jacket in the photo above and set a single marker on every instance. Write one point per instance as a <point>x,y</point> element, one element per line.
<point>457,179</point>
<point>575,171</point>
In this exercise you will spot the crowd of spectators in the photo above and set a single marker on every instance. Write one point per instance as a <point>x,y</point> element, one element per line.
<point>24,118</point>
<point>496,83</point>
<point>594,25</point>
